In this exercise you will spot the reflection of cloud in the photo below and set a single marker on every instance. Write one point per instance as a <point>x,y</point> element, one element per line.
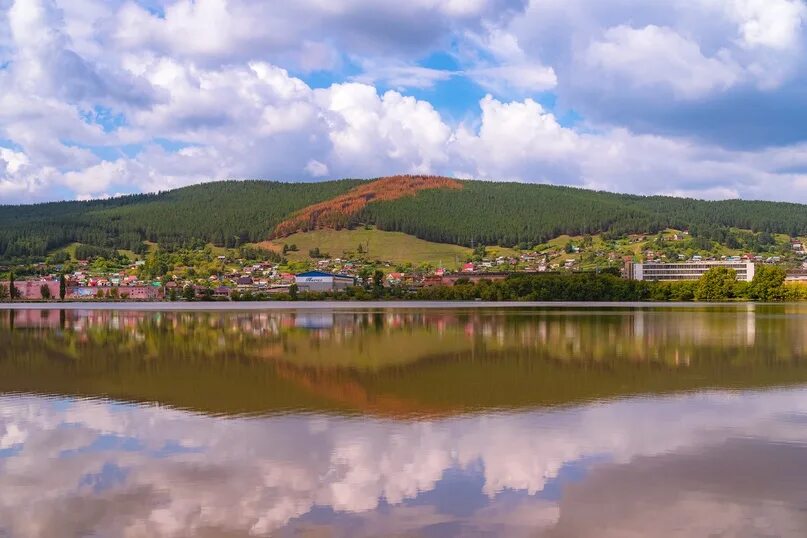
<point>110,469</point>
<point>741,488</point>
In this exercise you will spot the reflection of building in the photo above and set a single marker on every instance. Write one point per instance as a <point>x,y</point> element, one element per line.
<point>314,320</point>
<point>685,270</point>
<point>317,281</point>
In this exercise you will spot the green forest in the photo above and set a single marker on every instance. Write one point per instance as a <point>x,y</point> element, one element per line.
<point>232,213</point>
<point>227,213</point>
<point>521,214</point>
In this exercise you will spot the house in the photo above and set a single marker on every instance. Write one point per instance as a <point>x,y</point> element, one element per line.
<point>141,293</point>
<point>222,292</point>
<point>796,275</point>
<point>433,280</point>
<point>244,282</point>
<point>319,281</point>
<point>468,268</point>
<point>395,278</point>
<point>283,288</point>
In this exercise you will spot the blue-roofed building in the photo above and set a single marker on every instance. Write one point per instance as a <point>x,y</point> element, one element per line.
<point>319,281</point>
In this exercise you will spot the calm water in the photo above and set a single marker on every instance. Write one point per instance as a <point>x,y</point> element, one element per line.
<point>601,422</point>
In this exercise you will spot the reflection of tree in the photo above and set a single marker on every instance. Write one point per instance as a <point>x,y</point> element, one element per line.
<point>398,362</point>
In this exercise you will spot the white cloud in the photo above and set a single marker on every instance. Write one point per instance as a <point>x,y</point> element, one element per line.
<point>403,76</point>
<point>659,58</point>
<point>522,141</point>
<point>316,168</point>
<point>112,97</point>
<point>511,71</point>
<point>776,24</point>
<point>524,78</point>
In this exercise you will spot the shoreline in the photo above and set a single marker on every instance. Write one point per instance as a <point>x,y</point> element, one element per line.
<point>256,306</point>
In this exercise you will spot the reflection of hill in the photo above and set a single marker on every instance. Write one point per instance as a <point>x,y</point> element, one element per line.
<point>398,363</point>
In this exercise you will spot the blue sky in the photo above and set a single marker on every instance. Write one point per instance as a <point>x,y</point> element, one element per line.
<point>696,98</point>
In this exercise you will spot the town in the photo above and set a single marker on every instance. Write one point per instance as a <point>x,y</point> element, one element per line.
<point>249,272</point>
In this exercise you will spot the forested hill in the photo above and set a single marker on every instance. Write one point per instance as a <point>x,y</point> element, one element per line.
<point>225,213</point>
<point>512,213</point>
<point>232,213</point>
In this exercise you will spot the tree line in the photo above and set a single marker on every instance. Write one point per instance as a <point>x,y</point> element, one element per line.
<point>232,213</point>
<point>520,214</point>
<point>227,214</point>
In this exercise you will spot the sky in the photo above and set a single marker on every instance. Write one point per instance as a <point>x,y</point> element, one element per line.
<point>702,98</point>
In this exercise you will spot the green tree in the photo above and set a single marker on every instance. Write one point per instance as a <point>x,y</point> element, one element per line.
<point>378,284</point>
<point>188,293</point>
<point>294,291</point>
<point>716,284</point>
<point>62,287</point>
<point>768,284</point>
<point>44,290</point>
<point>12,291</point>
<point>3,292</point>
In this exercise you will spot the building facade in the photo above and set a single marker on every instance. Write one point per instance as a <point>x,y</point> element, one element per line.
<point>31,290</point>
<point>685,270</point>
<point>318,281</point>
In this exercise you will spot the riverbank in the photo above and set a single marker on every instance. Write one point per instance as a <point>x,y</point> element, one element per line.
<point>355,305</point>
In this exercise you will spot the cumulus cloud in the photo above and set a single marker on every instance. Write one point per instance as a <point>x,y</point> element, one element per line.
<point>722,72</point>
<point>692,98</point>
<point>659,58</point>
<point>775,24</point>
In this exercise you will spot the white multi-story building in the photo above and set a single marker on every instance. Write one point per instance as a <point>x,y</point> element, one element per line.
<point>685,270</point>
<point>318,281</point>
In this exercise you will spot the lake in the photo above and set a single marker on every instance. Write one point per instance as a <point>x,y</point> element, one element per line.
<point>557,421</point>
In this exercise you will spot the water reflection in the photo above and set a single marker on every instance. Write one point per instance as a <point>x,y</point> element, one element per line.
<point>397,363</point>
<point>660,422</point>
<point>720,461</point>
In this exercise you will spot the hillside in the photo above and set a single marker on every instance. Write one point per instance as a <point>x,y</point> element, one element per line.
<point>341,211</point>
<point>225,213</point>
<point>434,209</point>
<point>513,213</point>
<point>394,247</point>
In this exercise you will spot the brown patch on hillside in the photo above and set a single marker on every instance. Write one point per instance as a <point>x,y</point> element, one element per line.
<point>269,245</point>
<point>338,212</point>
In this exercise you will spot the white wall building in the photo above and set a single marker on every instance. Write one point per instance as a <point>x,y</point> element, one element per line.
<point>318,281</point>
<point>685,270</point>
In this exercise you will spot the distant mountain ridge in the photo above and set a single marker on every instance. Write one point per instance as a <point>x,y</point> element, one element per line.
<point>230,213</point>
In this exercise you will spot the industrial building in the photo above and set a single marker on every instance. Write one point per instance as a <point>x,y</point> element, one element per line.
<point>685,270</point>
<point>318,281</point>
